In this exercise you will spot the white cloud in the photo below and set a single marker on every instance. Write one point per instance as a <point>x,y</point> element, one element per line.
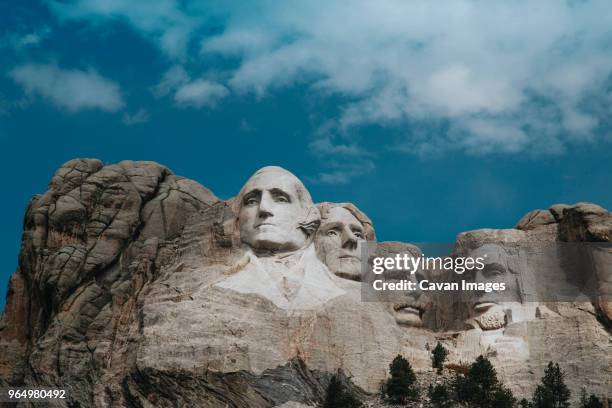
<point>71,89</point>
<point>455,90</point>
<point>196,93</point>
<point>162,20</point>
<point>172,79</point>
<point>200,93</point>
<point>475,64</point>
<point>483,67</point>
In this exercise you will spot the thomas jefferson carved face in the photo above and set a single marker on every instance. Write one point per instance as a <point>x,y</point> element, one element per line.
<point>275,213</point>
<point>339,238</point>
<point>339,241</point>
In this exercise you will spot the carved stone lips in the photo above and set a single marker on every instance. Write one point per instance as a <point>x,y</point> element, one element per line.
<point>263,224</point>
<point>347,256</point>
<point>409,309</point>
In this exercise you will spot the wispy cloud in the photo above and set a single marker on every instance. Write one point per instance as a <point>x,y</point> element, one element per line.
<point>141,116</point>
<point>200,93</point>
<point>196,93</point>
<point>342,172</point>
<point>164,21</point>
<point>71,89</point>
<point>20,41</point>
<point>342,157</point>
<point>504,77</point>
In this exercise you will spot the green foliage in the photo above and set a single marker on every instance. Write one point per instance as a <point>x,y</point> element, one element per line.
<point>480,387</point>
<point>402,386</point>
<point>524,403</point>
<point>438,356</point>
<point>591,402</point>
<point>438,396</point>
<point>338,397</point>
<point>502,398</point>
<point>552,392</point>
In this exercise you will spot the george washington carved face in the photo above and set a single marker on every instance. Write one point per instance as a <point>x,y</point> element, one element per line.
<point>275,212</point>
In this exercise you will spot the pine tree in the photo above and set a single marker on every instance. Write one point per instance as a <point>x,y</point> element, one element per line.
<point>438,356</point>
<point>481,388</point>
<point>552,392</point>
<point>482,380</point>
<point>591,402</point>
<point>438,395</point>
<point>338,397</point>
<point>502,398</point>
<point>401,387</point>
<point>524,403</point>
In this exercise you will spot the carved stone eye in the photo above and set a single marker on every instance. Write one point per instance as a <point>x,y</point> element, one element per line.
<point>282,199</point>
<point>251,201</point>
<point>332,233</point>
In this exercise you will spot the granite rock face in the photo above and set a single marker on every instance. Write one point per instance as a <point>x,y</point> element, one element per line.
<point>521,337</point>
<point>117,296</point>
<point>90,245</point>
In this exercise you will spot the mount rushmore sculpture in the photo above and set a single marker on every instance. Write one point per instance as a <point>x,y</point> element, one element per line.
<point>136,287</point>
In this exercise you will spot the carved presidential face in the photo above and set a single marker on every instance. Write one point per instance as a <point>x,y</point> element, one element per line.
<point>490,309</point>
<point>272,210</point>
<point>338,243</point>
<point>410,313</point>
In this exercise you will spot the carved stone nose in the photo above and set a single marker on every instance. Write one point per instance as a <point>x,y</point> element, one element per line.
<point>265,207</point>
<point>349,240</point>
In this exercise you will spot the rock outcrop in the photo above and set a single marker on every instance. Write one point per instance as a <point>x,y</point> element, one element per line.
<point>118,297</point>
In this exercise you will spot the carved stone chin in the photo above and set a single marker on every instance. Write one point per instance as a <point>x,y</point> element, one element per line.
<point>492,319</point>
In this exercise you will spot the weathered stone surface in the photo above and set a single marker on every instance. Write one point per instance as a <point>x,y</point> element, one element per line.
<point>119,295</point>
<point>586,222</point>
<point>557,211</point>
<point>527,335</point>
<point>89,246</point>
<point>535,218</point>
<point>211,328</point>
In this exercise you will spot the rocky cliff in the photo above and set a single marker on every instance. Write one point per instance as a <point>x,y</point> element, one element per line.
<point>117,298</point>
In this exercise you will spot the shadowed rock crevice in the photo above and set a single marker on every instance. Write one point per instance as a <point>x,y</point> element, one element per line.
<point>292,382</point>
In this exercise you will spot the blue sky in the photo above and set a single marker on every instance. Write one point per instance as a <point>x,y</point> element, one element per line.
<point>432,117</point>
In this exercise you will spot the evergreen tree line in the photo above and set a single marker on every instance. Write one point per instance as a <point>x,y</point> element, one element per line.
<point>475,387</point>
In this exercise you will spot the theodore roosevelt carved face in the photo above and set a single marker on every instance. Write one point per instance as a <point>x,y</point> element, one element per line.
<point>275,212</point>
